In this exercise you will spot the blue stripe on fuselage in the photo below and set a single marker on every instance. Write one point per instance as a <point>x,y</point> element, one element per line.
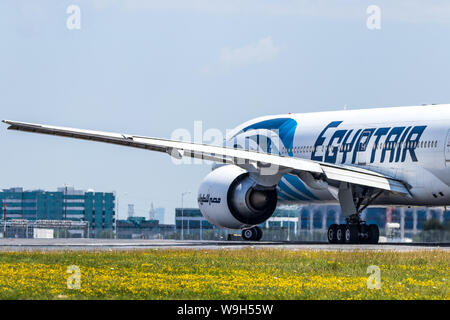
<point>299,185</point>
<point>290,192</point>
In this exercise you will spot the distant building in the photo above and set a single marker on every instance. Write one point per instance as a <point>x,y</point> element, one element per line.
<point>130,210</point>
<point>312,221</point>
<point>140,228</point>
<point>67,203</point>
<point>157,214</point>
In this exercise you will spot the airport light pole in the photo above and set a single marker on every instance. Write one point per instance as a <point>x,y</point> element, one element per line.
<point>182,213</point>
<point>289,226</point>
<point>65,202</point>
<point>4,221</point>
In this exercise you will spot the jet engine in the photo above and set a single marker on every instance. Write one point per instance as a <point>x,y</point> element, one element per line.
<point>229,198</point>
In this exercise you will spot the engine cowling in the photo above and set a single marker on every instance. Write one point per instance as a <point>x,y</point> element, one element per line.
<point>229,198</point>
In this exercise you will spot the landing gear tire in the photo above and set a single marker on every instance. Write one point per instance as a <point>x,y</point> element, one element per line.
<point>259,233</point>
<point>351,234</point>
<point>340,234</point>
<point>252,234</point>
<point>332,230</point>
<point>373,234</point>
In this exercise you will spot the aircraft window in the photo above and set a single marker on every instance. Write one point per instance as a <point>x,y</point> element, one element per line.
<point>435,144</point>
<point>429,144</point>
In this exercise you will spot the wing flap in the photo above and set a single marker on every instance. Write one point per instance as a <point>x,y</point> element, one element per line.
<point>371,180</point>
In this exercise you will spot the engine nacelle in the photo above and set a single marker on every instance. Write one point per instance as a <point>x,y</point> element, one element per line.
<point>229,198</point>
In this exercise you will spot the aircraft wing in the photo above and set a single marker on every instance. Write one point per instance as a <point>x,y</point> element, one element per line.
<point>239,157</point>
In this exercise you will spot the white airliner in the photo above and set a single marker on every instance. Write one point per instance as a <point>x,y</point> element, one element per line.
<point>358,158</point>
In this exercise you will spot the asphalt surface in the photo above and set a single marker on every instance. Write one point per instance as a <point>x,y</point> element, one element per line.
<point>123,244</point>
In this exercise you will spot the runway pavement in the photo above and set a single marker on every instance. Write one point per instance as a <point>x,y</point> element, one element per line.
<point>123,244</point>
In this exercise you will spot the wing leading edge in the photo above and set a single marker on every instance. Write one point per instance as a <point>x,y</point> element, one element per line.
<point>239,157</point>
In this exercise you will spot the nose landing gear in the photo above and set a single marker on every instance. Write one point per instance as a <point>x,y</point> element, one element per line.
<point>252,234</point>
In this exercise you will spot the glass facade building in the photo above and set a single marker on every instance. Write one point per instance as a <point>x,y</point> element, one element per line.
<point>97,208</point>
<point>312,221</point>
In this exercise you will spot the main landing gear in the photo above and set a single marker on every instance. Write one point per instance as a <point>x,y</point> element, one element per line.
<point>252,234</point>
<point>355,230</point>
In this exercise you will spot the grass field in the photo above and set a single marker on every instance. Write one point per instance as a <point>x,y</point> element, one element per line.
<point>224,274</point>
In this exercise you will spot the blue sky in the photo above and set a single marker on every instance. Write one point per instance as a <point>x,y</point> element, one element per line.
<point>150,67</point>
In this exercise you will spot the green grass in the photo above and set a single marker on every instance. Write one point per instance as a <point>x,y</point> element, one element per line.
<point>225,274</point>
